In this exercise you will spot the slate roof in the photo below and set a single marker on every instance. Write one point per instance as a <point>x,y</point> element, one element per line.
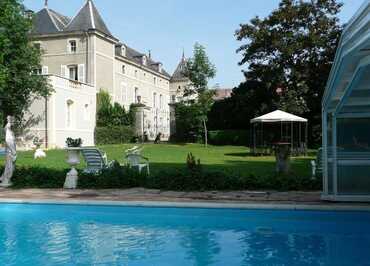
<point>136,57</point>
<point>88,18</point>
<point>178,75</point>
<point>48,21</point>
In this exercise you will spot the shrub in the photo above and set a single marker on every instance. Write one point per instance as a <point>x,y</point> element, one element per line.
<point>176,179</point>
<point>229,137</point>
<point>38,177</point>
<point>113,135</point>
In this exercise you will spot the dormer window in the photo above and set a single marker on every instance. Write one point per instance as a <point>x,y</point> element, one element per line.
<point>160,68</point>
<point>143,60</point>
<point>123,50</point>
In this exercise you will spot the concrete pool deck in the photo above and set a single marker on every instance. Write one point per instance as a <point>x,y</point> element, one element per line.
<point>153,197</point>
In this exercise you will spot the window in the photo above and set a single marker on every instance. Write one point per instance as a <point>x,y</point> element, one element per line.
<point>86,112</point>
<point>123,69</point>
<point>123,92</point>
<point>155,80</point>
<point>69,113</point>
<point>37,71</point>
<point>137,98</point>
<point>45,70</point>
<point>72,46</point>
<point>160,101</point>
<point>173,98</point>
<point>123,51</point>
<point>143,60</point>
<point>154,100</point>
<point>73,72</point>
<point>37,45</point>
<point>135,73</point>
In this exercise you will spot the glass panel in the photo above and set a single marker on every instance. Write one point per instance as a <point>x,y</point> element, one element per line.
<point>353,156</point>
<point>354,179</point>
<point>330,153</point>
<point>353,135</point>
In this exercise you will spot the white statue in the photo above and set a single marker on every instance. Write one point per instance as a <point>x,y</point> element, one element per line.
<point>11,154</point>
<point>39,154</point>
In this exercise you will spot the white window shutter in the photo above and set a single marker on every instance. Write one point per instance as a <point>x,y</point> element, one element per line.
<point>45,70</point>
<point>64,71</point>
<point>81,73</point>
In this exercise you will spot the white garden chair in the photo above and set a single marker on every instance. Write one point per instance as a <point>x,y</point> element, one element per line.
<point>138,161</point>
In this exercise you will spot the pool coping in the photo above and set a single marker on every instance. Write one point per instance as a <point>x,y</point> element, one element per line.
<point>199,204</point>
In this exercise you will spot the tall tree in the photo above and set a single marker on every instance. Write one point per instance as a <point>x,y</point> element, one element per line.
<point>291,52</point>
<point>199,70</point>
<point>19,58</point>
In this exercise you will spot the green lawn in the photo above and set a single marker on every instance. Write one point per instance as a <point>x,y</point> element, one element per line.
<point>230,159</point>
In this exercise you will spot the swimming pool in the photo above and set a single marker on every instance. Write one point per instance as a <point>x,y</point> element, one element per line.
<point>36,234</point>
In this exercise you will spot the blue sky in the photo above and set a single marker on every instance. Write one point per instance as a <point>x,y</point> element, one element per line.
<point>166,27</point>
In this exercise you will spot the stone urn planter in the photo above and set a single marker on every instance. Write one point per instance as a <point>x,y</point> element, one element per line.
<point>73,159</point>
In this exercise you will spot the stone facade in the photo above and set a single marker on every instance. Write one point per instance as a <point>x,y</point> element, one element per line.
<point>83,50</point>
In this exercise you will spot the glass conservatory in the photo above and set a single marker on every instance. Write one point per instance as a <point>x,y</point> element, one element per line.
<point>346,115</point>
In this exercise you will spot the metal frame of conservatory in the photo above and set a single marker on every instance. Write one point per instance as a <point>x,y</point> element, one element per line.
<point>347,100</point>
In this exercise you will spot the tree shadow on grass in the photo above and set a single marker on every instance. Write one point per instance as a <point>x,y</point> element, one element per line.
<point>239,154</point>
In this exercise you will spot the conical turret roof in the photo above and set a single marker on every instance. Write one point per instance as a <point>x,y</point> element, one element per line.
<point>178,75</point>
<point>88,18</point>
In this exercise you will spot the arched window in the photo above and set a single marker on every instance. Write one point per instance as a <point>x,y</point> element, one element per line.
<point>123,69</point>
<point>154,100</point>
<point>136,96</point>
<point>86,112</point>
<point>160,101</point>
<point>69,121</point>
<point>123,92</point>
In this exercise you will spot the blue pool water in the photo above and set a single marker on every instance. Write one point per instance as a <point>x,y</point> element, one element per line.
<point>137,236</point>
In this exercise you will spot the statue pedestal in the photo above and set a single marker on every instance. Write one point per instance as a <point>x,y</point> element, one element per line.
<point>71,179</point>
<point>282,155</point>
<point>73,160</point>
<point>6,184</point>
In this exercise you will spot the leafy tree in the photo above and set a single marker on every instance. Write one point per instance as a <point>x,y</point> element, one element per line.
<point>111,115</point>
<point>248,100</point>
<point>199,70</point>
<point>18,60</point>
<point>103,109</point>
<point>188,124</point>
<point>291,52</point>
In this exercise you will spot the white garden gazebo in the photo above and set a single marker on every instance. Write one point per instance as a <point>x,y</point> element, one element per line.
<point>279,127</point>
<point>346,115</point>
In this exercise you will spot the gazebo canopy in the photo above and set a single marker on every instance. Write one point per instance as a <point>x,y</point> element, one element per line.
<point>278,116</point>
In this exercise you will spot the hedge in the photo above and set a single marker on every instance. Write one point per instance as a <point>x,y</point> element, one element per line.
<point>229,137</point>
<point>113,135</point>
<point>180,179</point>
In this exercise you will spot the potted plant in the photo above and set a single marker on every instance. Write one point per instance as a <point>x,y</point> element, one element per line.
<point>73,150</point>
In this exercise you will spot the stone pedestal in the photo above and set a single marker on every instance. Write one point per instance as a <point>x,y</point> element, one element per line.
<point>139,111</point>
<point>73,160</point>
<point>172,119</point>
<point>282,155</point>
